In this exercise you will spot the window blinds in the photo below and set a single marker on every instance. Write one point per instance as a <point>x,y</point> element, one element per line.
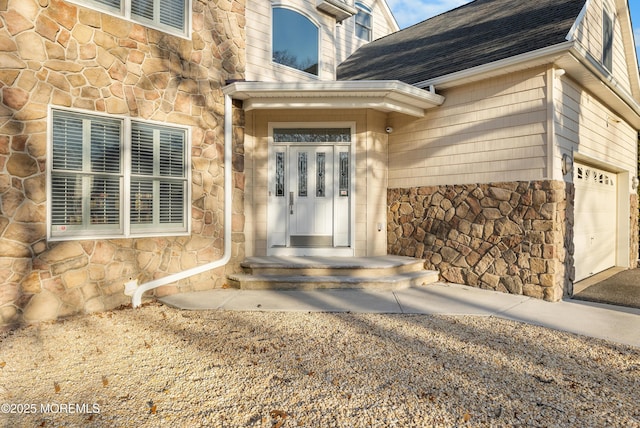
<point>90,180</point>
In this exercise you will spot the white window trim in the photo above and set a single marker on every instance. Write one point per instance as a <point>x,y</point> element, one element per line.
<point>314,22</point>
<point>126,15</point>
<point>606,12</point>
<point>126,173</point>
<point>362,7</point>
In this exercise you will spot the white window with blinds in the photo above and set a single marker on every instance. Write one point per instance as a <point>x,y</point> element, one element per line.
<point>116,177</point>
<point>166,15</point>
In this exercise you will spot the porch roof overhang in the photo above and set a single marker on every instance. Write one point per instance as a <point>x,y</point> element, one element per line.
<point>381,95</point>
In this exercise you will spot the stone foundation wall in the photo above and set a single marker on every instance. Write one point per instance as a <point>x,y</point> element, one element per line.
<point>634,234</point>
<point>54,53</point>
<point>513,237</point>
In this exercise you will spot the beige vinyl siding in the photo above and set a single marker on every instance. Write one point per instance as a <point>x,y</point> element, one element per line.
<point>374,167</point>
<point>258,29</point>
<point>494,130</point>
<point>589,34</point>
<point>586,126</point>
<point>370,175</point>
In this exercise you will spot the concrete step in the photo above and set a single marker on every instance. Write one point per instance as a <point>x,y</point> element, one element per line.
<point>332,266</point>
<point>305,282</point>
<point>308,273</point>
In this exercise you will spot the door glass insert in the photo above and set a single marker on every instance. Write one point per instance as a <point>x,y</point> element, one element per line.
<point>280,174</point>
<point>302,174</point>
<point>320,175</point>
<point>344,174</point>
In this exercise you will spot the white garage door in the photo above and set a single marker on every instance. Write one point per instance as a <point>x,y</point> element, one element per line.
<point>595,228</point>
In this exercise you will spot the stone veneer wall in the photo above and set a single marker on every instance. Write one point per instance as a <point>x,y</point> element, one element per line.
<point>513,237</point>
<point>634,237</point>
<point>57,53</point>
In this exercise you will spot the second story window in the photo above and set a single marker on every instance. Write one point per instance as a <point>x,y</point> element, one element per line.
<point>363,22</point>
<point>295,40</point>
<point>607,39</point>
<point>167,15</point>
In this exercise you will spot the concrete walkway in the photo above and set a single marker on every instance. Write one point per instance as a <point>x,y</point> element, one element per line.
<point>614,323</point>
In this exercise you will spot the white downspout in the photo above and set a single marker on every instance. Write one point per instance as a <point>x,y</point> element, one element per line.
<point>136,299</point>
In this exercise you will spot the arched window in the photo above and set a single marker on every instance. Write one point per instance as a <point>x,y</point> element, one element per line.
<point>295,40</point>
<point>363,22</point>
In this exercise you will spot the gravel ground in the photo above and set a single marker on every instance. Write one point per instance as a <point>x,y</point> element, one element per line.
<point>159,366</point>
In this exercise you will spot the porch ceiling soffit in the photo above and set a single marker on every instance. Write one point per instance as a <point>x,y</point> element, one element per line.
<point>386,96</point>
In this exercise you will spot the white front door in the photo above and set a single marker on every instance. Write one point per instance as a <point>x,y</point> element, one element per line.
<point>311,190</point>
<point>310,187</point>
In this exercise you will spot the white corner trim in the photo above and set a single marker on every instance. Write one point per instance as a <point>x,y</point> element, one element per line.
<point>391,17</point>
<point>571,34</point>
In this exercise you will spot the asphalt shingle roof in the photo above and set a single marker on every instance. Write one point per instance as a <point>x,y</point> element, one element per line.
<point>477,33</point>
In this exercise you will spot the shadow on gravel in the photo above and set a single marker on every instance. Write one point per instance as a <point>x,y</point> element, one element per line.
<point>225,368</point>
<point>453,363</point>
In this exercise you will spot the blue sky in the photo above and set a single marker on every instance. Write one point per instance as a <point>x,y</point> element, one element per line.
<point>409,12</point>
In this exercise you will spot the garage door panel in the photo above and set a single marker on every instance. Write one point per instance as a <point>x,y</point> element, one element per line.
<point>595,220</point>
<point>602,226</point>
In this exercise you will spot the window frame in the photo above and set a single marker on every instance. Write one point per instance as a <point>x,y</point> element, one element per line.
<point>125,229</point>
<point>124,12</point>
<point>364,9</point>
<point>608,38</point>
<point>318,28</point>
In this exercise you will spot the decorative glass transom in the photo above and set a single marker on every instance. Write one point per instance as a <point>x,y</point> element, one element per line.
<point>312,135</point>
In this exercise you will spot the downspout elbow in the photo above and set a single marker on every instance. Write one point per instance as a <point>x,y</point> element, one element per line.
<point>136,299</point>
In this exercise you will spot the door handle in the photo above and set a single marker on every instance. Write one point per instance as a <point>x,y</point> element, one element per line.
<point>291,203</point>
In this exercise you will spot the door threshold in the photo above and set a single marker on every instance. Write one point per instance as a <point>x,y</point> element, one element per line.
<point>311,251</point>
